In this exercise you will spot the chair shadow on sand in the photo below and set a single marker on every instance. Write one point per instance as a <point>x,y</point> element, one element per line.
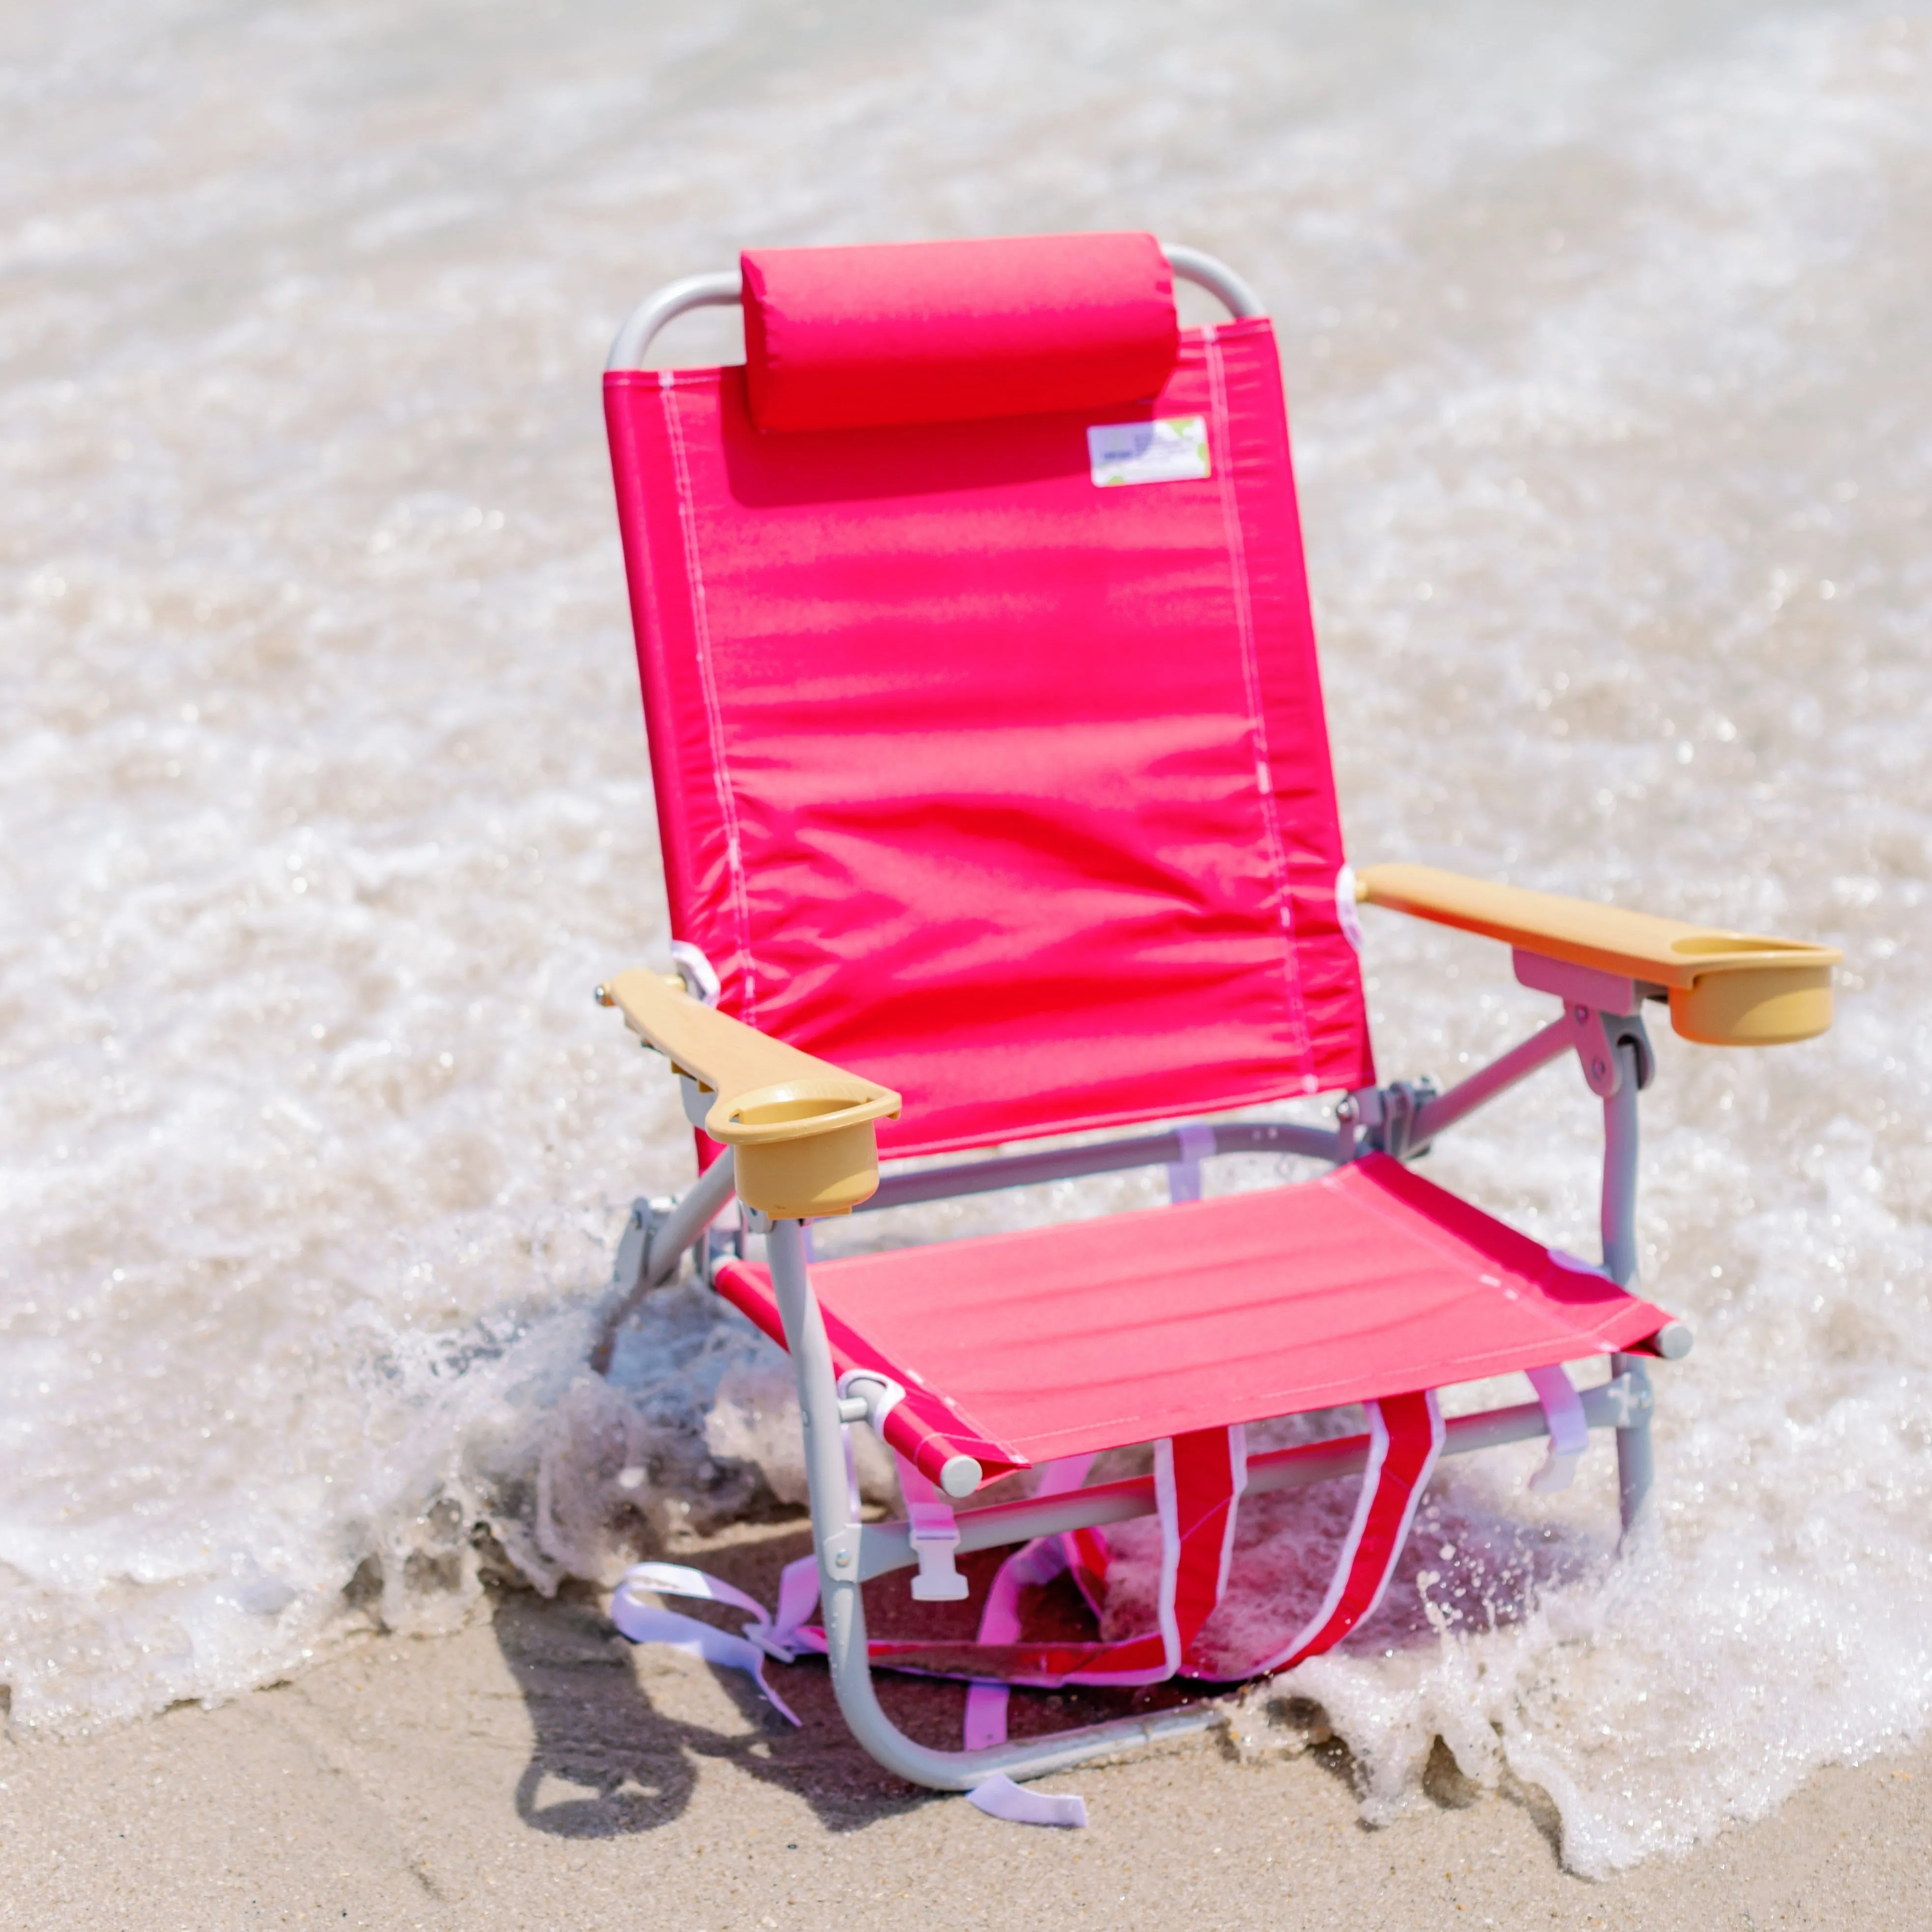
<point>596,1726</point>
<point>635,1767</point>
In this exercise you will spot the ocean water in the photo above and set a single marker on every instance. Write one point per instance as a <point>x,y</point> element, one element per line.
<point>323,801</point>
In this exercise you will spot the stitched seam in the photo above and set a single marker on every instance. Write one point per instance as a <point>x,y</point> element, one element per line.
<point>714,719</point>
<point>1231,519</point>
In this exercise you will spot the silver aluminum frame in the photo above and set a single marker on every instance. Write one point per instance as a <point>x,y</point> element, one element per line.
<point>851,1553</point>
<point>726,288</point>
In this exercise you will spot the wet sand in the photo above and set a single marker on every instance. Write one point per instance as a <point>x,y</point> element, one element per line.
<point>534,1771</point>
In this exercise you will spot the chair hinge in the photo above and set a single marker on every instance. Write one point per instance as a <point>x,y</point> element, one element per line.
<point>1382,1119</point>
<point>1601,1038</point>
<point>935,1536</point>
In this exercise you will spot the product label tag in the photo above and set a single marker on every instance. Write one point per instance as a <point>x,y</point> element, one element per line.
<point>1172,449</point>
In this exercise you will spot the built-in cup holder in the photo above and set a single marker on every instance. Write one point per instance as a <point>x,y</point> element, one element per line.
<point>805,1153</point>
<point>779,1113</point>
<point>828,1172</point>
<point>1750,1005</point>
<point>1703,945</point>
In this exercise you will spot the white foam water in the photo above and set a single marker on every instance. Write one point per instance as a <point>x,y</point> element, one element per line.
<point>325,804</point>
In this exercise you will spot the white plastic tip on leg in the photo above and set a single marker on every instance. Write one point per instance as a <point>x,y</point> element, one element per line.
<point>961,1476</point>
<point>1672,1341</point>
<point>999,1797</point>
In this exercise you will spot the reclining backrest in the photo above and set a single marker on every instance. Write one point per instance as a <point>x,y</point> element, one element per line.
<point>985,727</point>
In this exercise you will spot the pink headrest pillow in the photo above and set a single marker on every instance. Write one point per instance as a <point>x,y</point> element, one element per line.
<point>941,332</point>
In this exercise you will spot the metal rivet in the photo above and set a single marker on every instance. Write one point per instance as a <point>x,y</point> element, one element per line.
<point>1598,1068</point>
<point>843,1559</point>
<point>1582,1014</point>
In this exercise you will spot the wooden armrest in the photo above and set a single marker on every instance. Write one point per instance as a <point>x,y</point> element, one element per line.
<point>1726,988</point>
<point>803,1129</point>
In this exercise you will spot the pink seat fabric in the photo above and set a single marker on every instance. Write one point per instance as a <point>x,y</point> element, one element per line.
<point>1004,788</point>
<point>1019,1349</point>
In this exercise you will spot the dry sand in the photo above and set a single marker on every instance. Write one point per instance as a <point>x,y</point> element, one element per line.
<point>533,1770</point>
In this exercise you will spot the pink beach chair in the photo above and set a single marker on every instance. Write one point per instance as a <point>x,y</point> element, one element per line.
<point>995,793</point>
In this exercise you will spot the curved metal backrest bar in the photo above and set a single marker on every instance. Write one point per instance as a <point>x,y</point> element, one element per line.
<point>721,290</point>
<point>1208,272</point>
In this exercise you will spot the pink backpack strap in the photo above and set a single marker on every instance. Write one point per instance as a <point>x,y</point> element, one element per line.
<point>1198,1481</point>
<point>1032,1564</point>
<point>1207,1470</point>
<point>1198,1478</point>
<point>1404,1438</point>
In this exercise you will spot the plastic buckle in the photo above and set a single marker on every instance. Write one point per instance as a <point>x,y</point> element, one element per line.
<point>1569,1431</point>
<point>935,1536</point>
<point>1196,1142</point>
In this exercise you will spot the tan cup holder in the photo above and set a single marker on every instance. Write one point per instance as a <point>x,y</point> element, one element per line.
<point>1757,1005</point>
<point>1707,945</point>
<point>800,1153</point>
<point>781,1113</point>
<point>797,1180</point>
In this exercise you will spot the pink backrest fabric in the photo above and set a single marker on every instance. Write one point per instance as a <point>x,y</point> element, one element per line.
<point>945,332</point>
<point>1007,789</point>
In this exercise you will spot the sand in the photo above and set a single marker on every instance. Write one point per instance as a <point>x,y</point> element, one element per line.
<point>534,1771</point>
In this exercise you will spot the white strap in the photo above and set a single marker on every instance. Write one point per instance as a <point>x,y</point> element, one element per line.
<point>1346,916</point>
<point>679,1579</point>
<point>935,1536</point>
<point>1032,1564</point>
<point>999,1797</point>
<point>798,1598</point>
<point>1029,1566</point>
<point>986,1702</point>
<point>1569,1431</point>
<point>651,1623</point>
<point>1184,1176</point>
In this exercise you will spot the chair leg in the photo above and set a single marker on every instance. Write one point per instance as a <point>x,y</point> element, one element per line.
<point>836,1537</point>
<point>1617,1222</point>
<point>1634,1466</point>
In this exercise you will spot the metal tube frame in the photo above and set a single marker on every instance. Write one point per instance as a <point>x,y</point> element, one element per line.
<point>1025,1170</point>
<point>885,1547</point>
<point>1636,1465</point>
<point>1437,1116</point>
<point>839,1543</point>
<point>670,1228</point>
<point>654,1241</point>
<point>850,1552</point>
<point>726,287</point>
